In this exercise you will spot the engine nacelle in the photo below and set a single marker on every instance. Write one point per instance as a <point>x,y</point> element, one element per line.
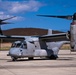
<point>73,36</point>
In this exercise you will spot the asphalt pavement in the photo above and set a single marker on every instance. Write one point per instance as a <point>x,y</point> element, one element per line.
<point>64,65</point>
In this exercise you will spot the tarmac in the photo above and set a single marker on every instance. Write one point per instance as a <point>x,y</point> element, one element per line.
<point>64,65</point>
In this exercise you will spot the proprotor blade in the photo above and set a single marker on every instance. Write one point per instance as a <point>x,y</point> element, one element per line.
<point>8,18</point>
<point>1,31</point>
<point>4,23</point>
<point>69,17</point>
<point>74,16</point>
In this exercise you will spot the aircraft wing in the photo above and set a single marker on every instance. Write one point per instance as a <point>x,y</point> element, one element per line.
<point>49,38</point>
<point>12,37</point>
<point>54,37</point>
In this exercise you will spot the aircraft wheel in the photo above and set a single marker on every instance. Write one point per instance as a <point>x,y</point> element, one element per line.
<point>30,58</point>
<point>14,58</point>
<point>53,57</point>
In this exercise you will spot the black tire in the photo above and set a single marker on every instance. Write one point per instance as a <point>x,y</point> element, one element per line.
<point>14,58</point>
<point>30,58</point>
<point>53,57</point>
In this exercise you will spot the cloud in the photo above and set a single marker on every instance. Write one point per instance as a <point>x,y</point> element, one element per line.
<point>23,6</point>
<point>1,13</point>
<point>18,18</point>
<point>7,8</point>
<point>4,16</point>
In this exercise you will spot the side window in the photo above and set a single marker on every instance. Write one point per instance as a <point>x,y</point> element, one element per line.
<point>13,45</point>
<point>18,45</point>
<point>24,46</point>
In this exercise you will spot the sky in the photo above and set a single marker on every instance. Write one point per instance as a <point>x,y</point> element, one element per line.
<point>26,12</point>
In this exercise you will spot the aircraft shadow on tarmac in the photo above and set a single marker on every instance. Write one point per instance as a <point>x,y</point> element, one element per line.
<point>30,66</point>
<point>36,59</point>
<point>43,59</point>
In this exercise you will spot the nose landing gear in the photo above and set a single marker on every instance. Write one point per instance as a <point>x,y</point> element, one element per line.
<point>14,58</point>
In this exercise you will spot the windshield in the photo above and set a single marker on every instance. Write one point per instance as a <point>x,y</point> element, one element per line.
<point>16,45</point>
<point>21,45</point>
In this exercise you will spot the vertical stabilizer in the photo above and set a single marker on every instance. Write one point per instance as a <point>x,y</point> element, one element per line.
<point>49,31</point>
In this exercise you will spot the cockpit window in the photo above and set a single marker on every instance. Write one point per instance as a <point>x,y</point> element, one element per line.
<point>13,45</point>
<point>24,46</point>
<point>18,44</point>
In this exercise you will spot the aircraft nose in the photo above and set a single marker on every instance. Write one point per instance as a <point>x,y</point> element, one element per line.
<point>14,52</point>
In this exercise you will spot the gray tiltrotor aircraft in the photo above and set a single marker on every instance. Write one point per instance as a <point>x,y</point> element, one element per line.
<point>45,45</point>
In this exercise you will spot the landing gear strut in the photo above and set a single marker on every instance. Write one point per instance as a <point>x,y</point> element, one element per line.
<point>14,58</point>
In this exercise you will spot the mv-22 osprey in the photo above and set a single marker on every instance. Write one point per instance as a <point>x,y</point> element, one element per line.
<point>42,46</point>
